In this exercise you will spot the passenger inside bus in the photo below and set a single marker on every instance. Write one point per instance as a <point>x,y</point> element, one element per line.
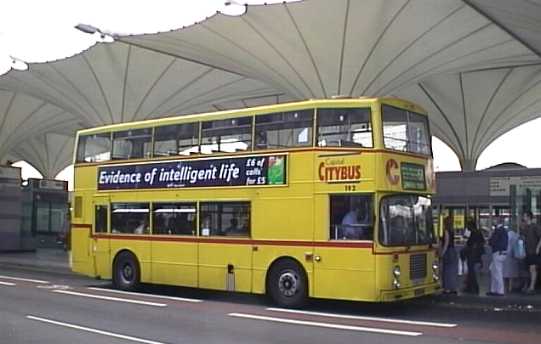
<point>233,227</point>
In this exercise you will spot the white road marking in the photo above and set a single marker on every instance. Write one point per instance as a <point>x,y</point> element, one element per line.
<point>7,284</point>
<point>92,330</point>
<point>354,317</point>
<point>54,286</point>
<point>145,295</point>
<point>108,298</point>
<point>23,279</point>
<point>327,325</point>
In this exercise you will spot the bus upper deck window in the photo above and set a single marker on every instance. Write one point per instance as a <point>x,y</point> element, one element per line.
<point>284,129</point>
<point>344,127</point>
<point>178,139</point>
<point>94,148</point>
<point>227,135</point>
<point>132,144</point>
<point>405,131</point>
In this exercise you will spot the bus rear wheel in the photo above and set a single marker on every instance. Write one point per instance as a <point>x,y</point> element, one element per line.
<point>126,273</point>
<point>287,284</point>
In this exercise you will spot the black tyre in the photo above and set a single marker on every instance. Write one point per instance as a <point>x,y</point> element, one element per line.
<point>287,284</point>
<point>126,272</point>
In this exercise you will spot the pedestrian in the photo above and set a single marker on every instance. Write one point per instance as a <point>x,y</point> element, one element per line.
<point>532,239</point>
<point>511,266</point>
<point>449,258</point>
<point>474,250</point>
<point>498,243</point>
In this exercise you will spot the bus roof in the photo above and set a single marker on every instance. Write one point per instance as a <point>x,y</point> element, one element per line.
<point>258,110</point>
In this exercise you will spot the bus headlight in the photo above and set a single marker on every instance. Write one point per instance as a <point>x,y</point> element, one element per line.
<point>435,271</point>
<point>396,277</point>
<point>396,271</point>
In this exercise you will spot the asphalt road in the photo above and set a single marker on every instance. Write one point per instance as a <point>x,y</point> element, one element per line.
<point>36,307</point>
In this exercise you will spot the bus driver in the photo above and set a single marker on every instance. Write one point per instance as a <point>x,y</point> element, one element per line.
<point>355,223</point>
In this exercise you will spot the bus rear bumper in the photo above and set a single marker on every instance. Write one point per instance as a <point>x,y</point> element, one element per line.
<point>410,293</point>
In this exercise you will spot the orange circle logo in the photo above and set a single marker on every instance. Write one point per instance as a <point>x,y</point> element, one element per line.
<point>391,170</point>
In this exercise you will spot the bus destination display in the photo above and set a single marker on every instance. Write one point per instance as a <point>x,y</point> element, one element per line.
<point>241,171</point>
<point>413,176</point>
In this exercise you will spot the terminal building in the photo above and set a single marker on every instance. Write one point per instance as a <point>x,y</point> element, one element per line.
<point>506,190</point>
<point>33,214</point>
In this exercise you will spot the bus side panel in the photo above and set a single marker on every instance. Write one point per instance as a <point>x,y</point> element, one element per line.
<point>265,255</point>
<point>174,263</point>
<point>283,219</point>
<point>141,250</point>
<point>214,259</point>
<point>344,273</point>
<point>102,258</point>
<point>82,261</point>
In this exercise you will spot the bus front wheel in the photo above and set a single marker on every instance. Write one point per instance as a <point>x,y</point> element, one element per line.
<point>126,273</point>
<point>287,284</point>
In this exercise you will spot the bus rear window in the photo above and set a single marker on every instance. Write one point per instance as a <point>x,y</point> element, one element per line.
<point>405,131</point>
<point>344,127</point>
<point>94,148</point>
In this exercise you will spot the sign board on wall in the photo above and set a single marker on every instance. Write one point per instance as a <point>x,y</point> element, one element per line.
<point>500,186</point>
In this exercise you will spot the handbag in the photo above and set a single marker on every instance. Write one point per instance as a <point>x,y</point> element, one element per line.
<point>519,249</point>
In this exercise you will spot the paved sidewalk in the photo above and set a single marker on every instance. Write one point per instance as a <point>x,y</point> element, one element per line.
<point>44,259</point>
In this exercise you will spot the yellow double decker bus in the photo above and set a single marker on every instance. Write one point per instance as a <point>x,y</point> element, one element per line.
<point>319,198</point>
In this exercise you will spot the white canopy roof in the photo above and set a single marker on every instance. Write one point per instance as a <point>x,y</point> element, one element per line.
<point>321,48</point>
<point>110,83</point>
<point>469,110</point>
<point>274,53</point>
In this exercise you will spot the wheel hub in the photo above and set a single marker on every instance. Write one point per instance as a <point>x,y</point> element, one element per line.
<point>288,283</point>
<point>127,273</point>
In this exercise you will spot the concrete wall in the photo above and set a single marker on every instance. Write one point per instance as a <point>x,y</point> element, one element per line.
<point>11,211</point>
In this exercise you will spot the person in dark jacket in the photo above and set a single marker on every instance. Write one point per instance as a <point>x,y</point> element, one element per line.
<point>449,258</point>
<point>474,250</point>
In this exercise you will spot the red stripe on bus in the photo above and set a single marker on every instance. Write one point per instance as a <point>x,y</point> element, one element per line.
<point>344,244</point>
<point>367,244</point>
<point>405,251</point>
